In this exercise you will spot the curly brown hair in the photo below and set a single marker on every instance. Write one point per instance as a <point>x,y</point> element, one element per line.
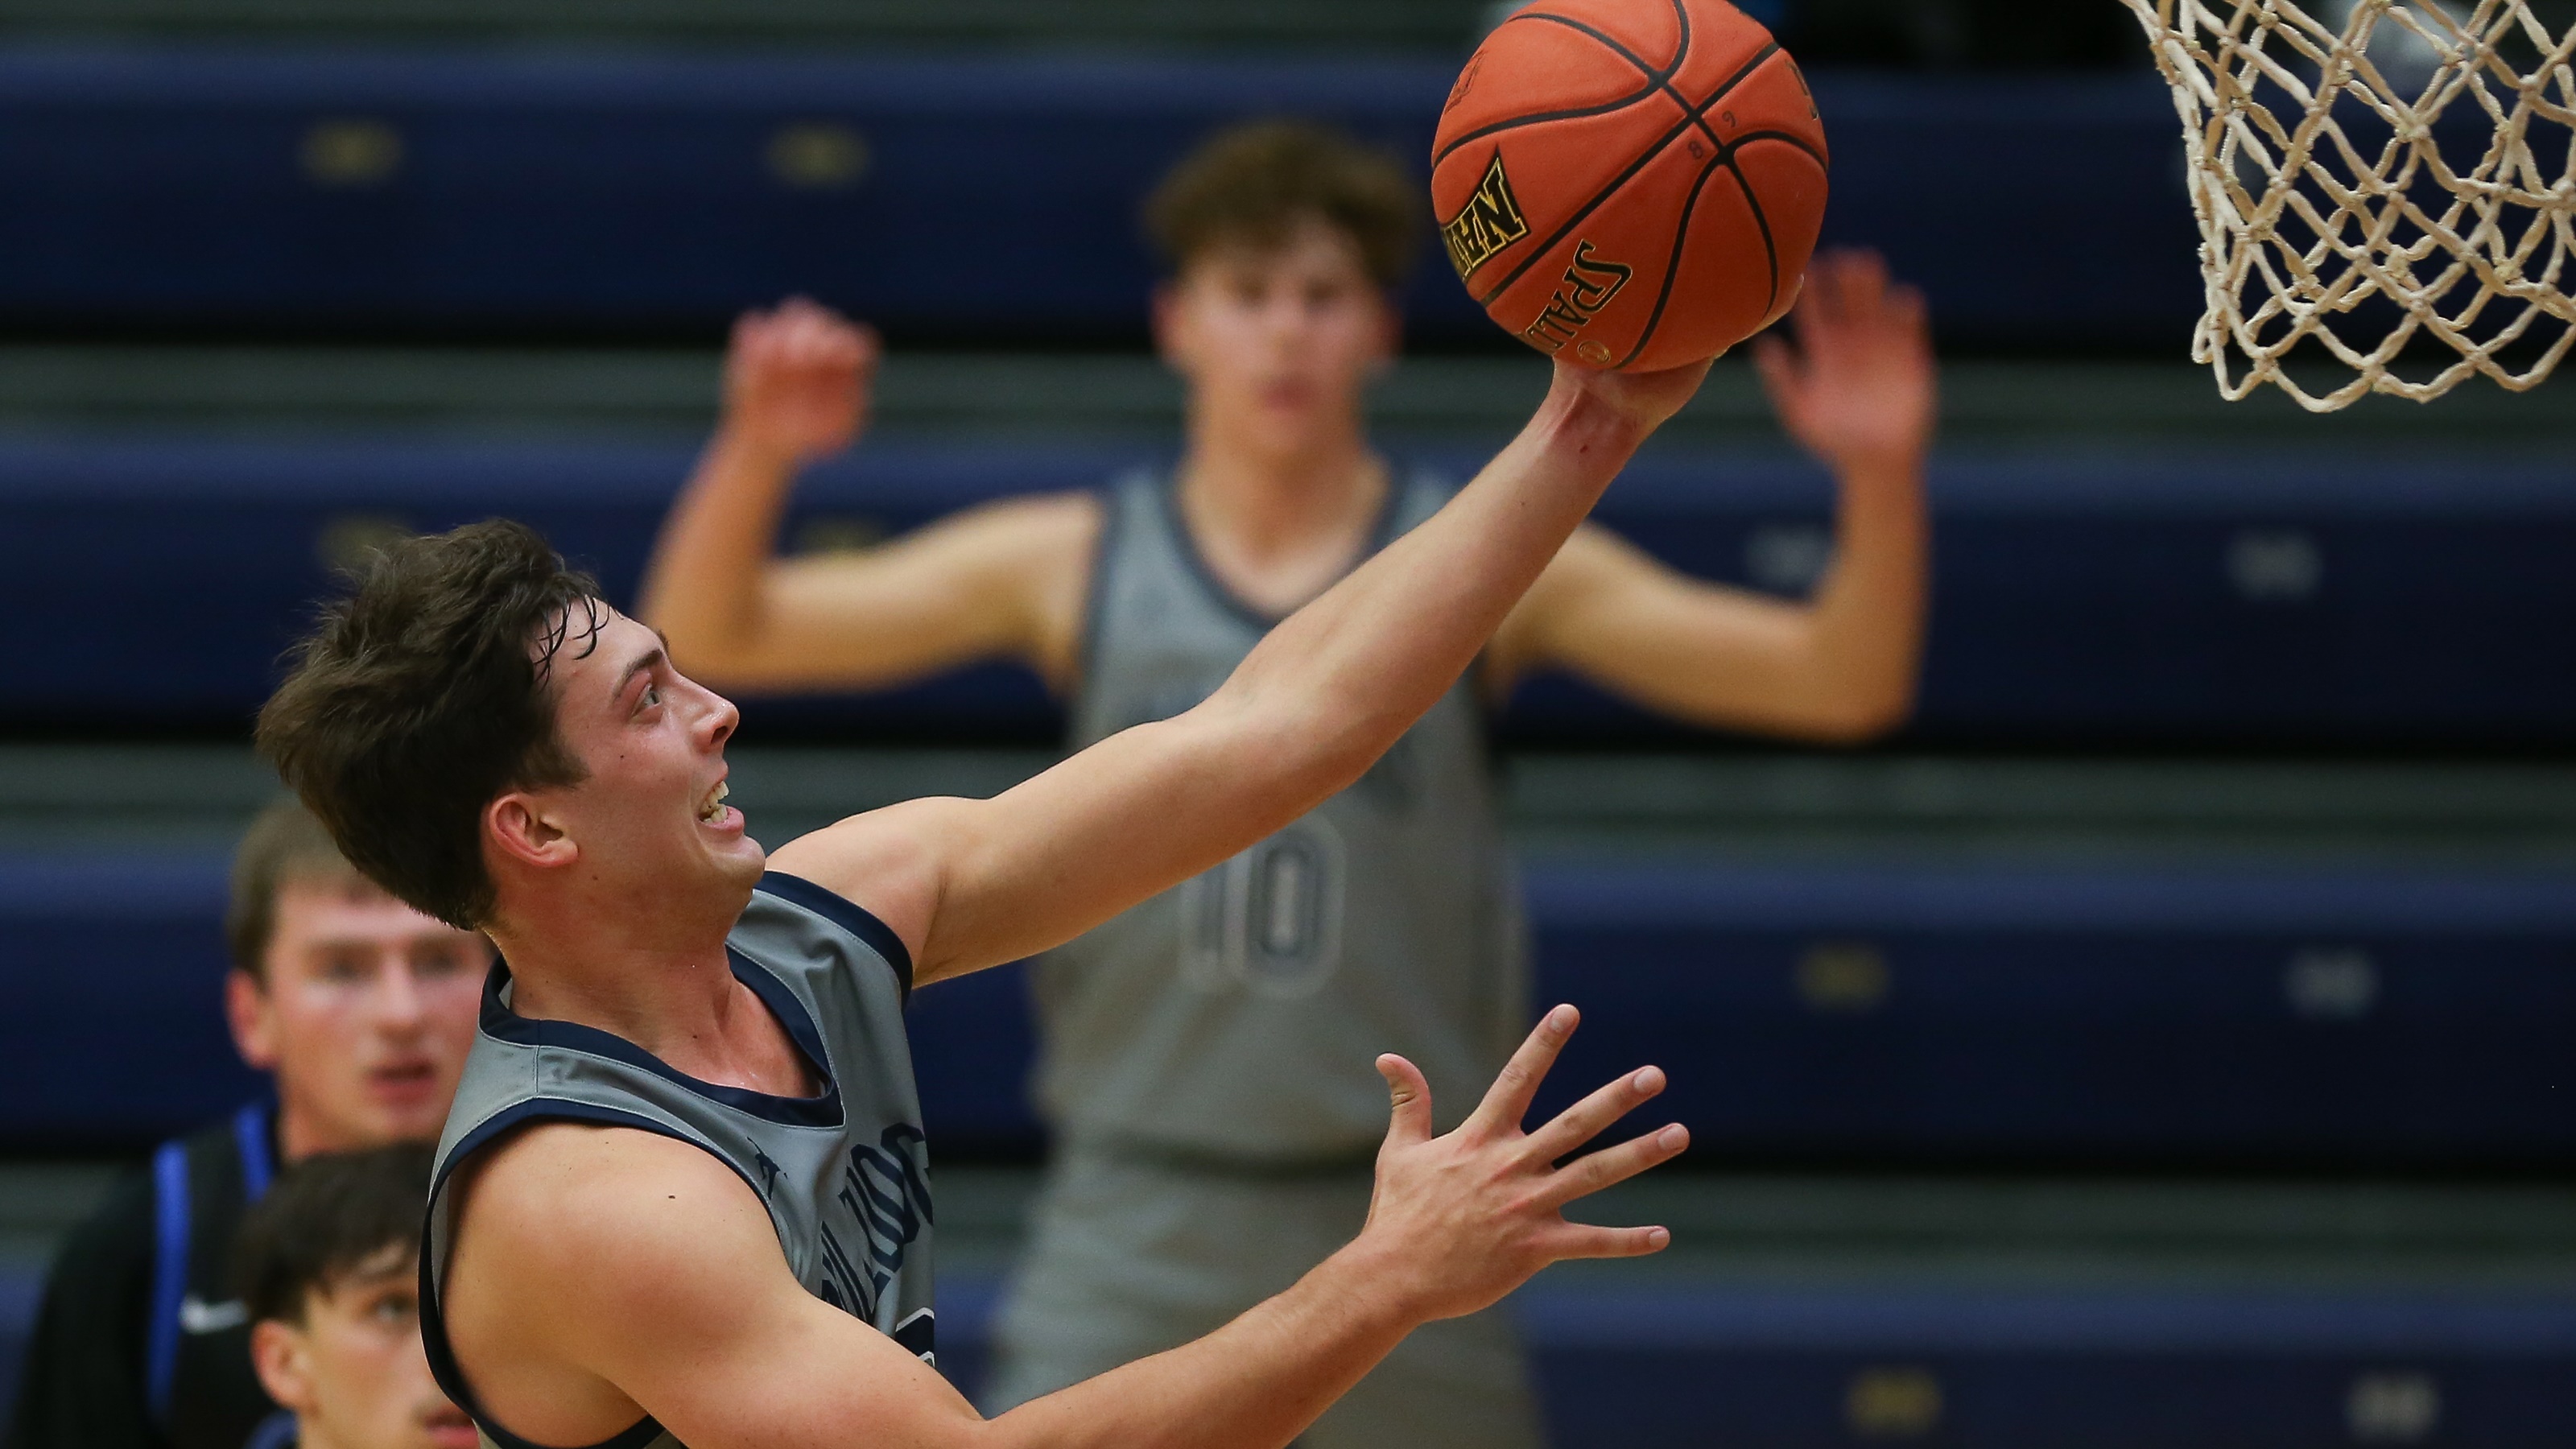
<point>423,695</point>
<point>1254,183</point>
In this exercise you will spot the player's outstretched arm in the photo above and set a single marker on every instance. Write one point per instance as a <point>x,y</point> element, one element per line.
<point>599,1275</point>
<point>1857,392</point>
<point>970,884</point>
<point>1001,581</point>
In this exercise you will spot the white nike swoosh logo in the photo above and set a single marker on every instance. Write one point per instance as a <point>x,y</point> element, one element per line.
<point>196,1315</point>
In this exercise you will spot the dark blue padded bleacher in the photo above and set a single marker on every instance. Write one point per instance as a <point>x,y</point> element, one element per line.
<point>2147,598</point>
<point>1794,1365</point>
<point>947,198</point>
<point>2386,1018</point>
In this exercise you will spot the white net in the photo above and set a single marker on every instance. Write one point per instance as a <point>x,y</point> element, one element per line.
<point>2386,182</point>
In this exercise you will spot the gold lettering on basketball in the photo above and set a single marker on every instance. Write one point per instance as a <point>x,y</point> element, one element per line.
<point>1490,221</point>
<point>1589,284</point>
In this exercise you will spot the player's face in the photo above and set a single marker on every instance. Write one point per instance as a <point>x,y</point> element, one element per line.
<point>649,817</point>
<point>1278,344</point>
<point>365,1014</point>
<point>353,1372</point>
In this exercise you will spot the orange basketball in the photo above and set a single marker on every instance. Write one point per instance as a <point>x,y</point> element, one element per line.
<point>1631,184</point>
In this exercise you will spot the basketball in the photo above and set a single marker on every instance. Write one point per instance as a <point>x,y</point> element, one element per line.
<point>1630,184</point>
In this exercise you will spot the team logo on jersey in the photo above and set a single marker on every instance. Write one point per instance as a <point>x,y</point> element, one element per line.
<point>886,1190</point>
<point>1588,286</point>
<point>1490,221</point>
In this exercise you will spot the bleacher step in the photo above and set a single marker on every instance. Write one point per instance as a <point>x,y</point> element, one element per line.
<point>1986,403</point>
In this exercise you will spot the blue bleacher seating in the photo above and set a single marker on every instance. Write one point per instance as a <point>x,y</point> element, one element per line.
<point>2262,1018</point>
<point>946,197</point>
<point>2144,598</point>
<point>1794,1365</point>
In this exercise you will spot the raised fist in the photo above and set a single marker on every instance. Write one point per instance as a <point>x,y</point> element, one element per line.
<point>798,380</point>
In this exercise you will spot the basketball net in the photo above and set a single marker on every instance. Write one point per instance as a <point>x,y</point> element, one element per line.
<point>2339,208</point>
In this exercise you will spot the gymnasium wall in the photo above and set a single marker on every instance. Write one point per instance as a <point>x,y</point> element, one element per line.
<point>2159,1040</point>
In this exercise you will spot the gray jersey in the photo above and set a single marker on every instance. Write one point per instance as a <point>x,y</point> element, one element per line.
<point>1238,1016</point>
<point>844,1174</point>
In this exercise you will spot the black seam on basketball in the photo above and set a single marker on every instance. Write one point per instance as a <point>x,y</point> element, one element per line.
<point>1787,138</point>
<point>1656,80</point>
<point>1515,123</point>
<point>1688,121</point>
<point>1660,78</point>
<point>1770,248</point>
<point>1699,114</point>
<point>1673,266</point>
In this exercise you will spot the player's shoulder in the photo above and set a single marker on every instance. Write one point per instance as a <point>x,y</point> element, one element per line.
<point>1035,521</point>
<point>594,1226</point>
<point>554,1188</point>
<point>794,916</point>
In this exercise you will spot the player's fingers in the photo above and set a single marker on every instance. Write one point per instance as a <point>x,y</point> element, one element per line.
<point>1507,1100</point>
<point>1584,1120</point>
<point>1581,1240</point>
<point>1777,366</point>
<point>1908,311</point>
<point>1409,1118</point>
<point>1612,1165</point>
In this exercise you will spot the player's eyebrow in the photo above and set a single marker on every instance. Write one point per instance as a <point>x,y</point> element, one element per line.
<point>641,662</point>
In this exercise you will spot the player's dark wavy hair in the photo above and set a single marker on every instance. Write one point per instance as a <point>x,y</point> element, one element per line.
<point>328,1217</point>
<point>422,695</point>
<point>1254,183</point>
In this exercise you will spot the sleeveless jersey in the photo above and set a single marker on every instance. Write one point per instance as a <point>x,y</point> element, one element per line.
<point>844,1175</point>
<point>1238,1017</point>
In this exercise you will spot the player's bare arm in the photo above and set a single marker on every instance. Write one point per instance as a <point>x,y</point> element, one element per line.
<point>1857,391</point>
<point>1001,581</point>
<point>571,1236</point>
<point>971,884</point>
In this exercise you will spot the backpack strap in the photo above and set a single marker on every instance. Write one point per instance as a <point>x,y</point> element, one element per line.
<point>250,1139</point>
<point>170,1223</point>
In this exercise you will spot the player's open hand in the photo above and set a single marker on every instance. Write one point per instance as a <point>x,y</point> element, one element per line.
<point>798,381</point>
<point>1460,1220</point>
<point>1858,388</point>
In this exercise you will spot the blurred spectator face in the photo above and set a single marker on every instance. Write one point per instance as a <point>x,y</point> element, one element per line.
<point>365,1013</point>
<point>352,1370</point>
<point>1277,343</point>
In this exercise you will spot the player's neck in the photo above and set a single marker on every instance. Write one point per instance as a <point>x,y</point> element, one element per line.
<point>663,983</point>
<point>1280,526</point>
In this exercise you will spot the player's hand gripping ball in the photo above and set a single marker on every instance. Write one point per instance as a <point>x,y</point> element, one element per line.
<point>1630,184</point>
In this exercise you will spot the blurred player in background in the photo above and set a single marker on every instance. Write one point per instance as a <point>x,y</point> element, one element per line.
<point>363,1009</point>
<point>1207,1055</point>
<point>329,1270</point>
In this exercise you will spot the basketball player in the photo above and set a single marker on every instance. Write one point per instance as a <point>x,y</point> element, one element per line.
<point>363,1009</point>
<point>1208,1082</point>
<point>683,1196</point>
<point>329,1267</point>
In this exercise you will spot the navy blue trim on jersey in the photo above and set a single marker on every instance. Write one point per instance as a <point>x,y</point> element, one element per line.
<point>170,1222</point>
<point>277,1431</point>
<point>876,935</point>
<point>821,1110</point>
<point>433,1318</point>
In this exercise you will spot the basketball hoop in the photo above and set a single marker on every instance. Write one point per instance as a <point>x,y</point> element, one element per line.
<point>2381,174</point>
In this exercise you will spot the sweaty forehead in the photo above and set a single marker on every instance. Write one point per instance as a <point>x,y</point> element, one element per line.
<point>590,647</point>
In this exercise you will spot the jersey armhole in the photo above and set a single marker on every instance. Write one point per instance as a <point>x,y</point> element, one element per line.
<point>443,1366</point>
<point>851,917</point>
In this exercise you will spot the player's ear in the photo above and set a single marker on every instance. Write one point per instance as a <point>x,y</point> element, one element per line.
<point>1169,326</point>
<point>279,1354</point>
<point>518,826</point>
<point>247,1013</point>
<point>1390,331</point>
